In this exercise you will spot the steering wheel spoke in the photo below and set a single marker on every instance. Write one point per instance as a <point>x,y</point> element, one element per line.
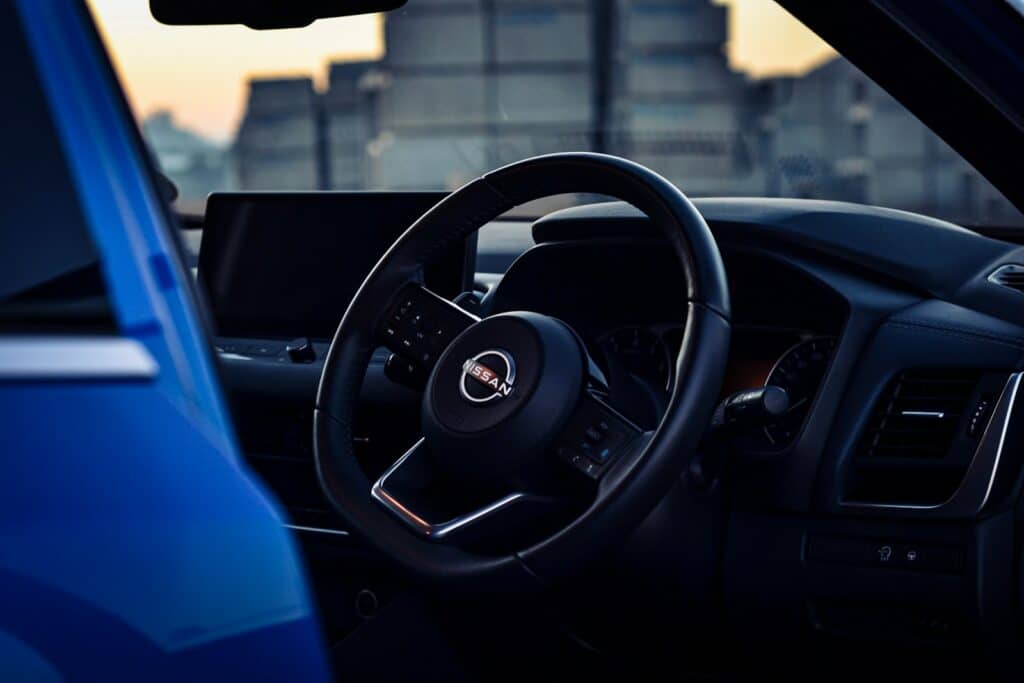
<point>405,490</point>
<point>418,325</point>
<point>595,436</point>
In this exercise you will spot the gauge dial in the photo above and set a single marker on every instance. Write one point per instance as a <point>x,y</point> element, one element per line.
<point>641,351</point>
<point>800,372</point>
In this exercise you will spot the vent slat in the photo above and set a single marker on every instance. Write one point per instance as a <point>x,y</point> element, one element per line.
<point>935,400</point>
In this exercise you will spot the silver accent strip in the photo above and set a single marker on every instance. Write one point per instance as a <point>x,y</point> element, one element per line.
<point>972,495</point>
<point>316,530</point>
<point>431,530</point>
<point>28,358</point>
<point>923,413</point>
<point>1015,379</point>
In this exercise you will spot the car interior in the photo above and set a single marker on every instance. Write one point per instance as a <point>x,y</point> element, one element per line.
<point>649,434</point>
<point>898,368</point>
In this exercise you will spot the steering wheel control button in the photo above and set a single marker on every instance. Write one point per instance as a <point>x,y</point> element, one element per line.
<point>580,462</point>
<point>593,437</point>
<point>404,372</point>
<point>420,325</point>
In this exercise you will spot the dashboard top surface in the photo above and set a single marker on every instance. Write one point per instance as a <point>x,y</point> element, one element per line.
<point>917,253</point>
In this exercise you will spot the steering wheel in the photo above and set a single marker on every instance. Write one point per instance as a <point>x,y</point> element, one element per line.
<point>524,472</point>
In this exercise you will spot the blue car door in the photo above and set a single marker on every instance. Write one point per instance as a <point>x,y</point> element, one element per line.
<point>134,545</point>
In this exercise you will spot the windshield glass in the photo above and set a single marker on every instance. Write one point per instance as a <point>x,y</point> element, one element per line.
<point>723,97</point>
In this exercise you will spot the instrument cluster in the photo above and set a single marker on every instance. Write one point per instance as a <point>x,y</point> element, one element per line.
<point>793,360</point>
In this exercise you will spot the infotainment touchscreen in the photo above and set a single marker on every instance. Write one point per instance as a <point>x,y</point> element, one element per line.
<point>283,265</point>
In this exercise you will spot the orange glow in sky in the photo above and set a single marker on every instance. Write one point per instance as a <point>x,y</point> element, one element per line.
<point>199,72</point>
<point>765,40</point>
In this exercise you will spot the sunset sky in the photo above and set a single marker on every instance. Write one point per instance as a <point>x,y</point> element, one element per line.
<point>199,72</point>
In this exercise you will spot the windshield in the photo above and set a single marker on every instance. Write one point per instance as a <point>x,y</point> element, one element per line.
<point>723,97</point>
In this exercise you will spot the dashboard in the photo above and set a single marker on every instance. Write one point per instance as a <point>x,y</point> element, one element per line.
<point>887,492</point>
<point>619,295</point>
<point>794,360</point>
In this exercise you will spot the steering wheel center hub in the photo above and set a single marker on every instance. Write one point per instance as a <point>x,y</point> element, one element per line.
<point>500,391</point>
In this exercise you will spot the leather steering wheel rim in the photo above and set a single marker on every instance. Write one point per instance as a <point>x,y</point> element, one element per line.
<point>632,493</point>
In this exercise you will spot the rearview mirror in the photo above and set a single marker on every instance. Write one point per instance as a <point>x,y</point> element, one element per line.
<point>262,14</point>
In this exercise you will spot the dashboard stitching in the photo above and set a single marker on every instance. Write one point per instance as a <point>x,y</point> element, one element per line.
<point>1015,342</point>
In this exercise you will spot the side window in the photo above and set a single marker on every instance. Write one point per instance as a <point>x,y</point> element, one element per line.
<point>50,277</point>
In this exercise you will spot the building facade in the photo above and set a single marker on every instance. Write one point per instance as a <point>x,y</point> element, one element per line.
<point>468,85</point>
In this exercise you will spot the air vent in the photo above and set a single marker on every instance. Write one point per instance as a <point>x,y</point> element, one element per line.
<point>922,435</point>
<point>1011,275</point>
<point>918,415</point>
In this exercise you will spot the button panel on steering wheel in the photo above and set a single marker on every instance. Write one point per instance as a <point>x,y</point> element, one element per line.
<point>419,325</point>
<point>594,437</point>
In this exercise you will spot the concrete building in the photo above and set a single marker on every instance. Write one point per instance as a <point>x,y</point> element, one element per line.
<point>278,145</point>
<point>833,133</point>
<point>348,112</point>
<point>677,106</point>
<point>545,77</point>
<point>432,101</point>
<point>468,85</point>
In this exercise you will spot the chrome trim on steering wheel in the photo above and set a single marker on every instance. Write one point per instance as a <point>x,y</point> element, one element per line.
<point>428,529</point>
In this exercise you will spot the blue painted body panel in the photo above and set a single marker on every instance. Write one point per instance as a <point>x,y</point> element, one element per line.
<point>135,544</point>
<point>119,203</point>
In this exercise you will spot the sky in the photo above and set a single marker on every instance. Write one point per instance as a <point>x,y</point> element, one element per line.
<point>199,72</point>
<point>765,40</point>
